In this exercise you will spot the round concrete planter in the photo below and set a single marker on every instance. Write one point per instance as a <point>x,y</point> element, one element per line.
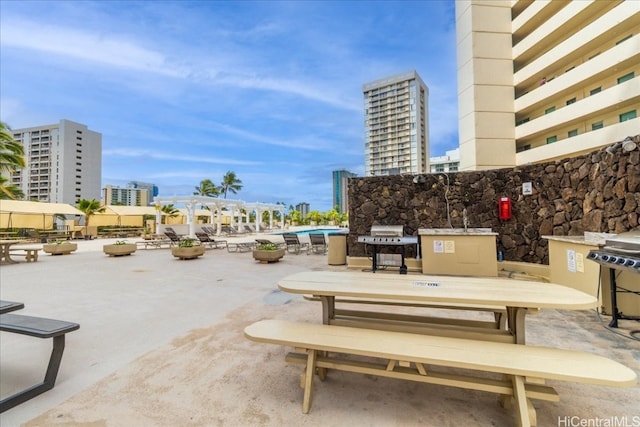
<point>188,252</point>
<point>59,248</point>
<point>266,257</point>
<point>119,250</point>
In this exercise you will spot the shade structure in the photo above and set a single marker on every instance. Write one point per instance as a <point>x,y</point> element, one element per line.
<point>24,214</point>
<point>123,215</point>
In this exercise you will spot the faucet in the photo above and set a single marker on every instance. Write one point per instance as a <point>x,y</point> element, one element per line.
<point>465,219</point>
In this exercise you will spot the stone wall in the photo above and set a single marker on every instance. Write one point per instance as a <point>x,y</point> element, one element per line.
<point>597,192</point>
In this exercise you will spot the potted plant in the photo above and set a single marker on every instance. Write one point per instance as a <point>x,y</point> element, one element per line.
<point>119,248</point>
<point>59,247</point>
<point>268,252</point>
<point>187,248</point>
<point>146,234</point>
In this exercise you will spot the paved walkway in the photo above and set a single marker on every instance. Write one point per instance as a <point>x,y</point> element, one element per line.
<point>161,343</point>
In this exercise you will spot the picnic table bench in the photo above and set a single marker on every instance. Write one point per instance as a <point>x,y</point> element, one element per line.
<point>407,356</point>
<point>30,254</point>
<point>40,328</point>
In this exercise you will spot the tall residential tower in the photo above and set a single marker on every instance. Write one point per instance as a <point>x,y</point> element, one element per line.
<point>64,163</point>
<point>396,125</point>
<point>543,80</point>
<point>340,197</point>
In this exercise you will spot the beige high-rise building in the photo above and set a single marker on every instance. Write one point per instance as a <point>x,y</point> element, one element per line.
<point>541,80</point>
<point>396,125</point>
<point>64,163</point>
<point>128,196</point>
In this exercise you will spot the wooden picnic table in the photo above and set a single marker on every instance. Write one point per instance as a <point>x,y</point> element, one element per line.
<point>518,296</point>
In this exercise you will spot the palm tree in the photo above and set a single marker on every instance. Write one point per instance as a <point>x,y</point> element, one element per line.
<point>230,183</point>
<point>169,210</point>
<point>9,191</point>
<point>89,208</point>
<point>207,188</point>
<point>315,216</point>
<point>11,158</point>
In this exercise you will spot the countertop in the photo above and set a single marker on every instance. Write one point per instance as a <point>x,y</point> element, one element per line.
<point>456,232</point>
<point>591,239</point>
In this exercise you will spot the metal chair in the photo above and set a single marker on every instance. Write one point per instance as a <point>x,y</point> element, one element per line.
<point>294,246</point>
<point>318,243</point>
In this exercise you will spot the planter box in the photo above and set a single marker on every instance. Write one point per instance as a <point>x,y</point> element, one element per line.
<point>59,249</point>
<point>187,253</point>
<point>119,250</point>
<point>266,257</point>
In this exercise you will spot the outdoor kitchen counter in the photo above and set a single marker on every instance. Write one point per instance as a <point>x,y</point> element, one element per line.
<point>456,251</point>
<point>456,232</point>
<point>568,263</point>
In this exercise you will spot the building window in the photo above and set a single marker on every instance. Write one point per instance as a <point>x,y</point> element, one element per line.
<point>572,133</point>
<point>597,125</point>
<point>571,101</point>
<point>550,110</point>
<point>552,139</point>
<point>625,77</point>
<point>525,120</point>
<point>628,115</point>
<point>596,90</point>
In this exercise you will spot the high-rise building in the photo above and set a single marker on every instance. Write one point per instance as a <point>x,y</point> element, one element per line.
<point>64,163</point>
<point>303,208</point>
<point>396,125</point>
<point>125,196</point>
<point>450,162</point>
<point>340,196</point>
<point>543,80</point>
<point>152,190</point>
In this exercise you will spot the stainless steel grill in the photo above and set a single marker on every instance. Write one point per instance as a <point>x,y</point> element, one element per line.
<point>620,252</point>
<point>387,235</point>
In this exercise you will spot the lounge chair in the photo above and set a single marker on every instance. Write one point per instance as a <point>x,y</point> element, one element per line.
<point>241,246</point>
<point>172,236</point>
<point>209,230</point>
<point>294,246</point>
<point>318,243</point>
<point>208,241</point>
<point>227,229</point>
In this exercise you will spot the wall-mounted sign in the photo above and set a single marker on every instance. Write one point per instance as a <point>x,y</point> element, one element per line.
<point>527,189</point>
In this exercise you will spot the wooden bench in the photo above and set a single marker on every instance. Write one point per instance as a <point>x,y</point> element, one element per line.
<point>407,356</point>
<point>29,254</point>
<point>40,328</point>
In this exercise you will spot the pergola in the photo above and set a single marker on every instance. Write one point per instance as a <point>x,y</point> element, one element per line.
<point>216,206</point>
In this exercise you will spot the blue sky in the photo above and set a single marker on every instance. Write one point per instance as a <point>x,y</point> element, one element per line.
<point>187,90</point>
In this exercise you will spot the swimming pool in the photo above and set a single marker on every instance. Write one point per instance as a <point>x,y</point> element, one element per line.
<point>326,231</point>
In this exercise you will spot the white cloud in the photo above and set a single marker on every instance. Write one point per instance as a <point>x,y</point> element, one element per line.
<point>84,45</point>
<point>150,154</point>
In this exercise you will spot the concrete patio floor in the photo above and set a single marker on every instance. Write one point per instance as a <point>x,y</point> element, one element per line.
<point>161,344</point>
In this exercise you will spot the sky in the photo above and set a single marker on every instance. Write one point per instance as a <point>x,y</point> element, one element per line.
<point>183,91</point>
